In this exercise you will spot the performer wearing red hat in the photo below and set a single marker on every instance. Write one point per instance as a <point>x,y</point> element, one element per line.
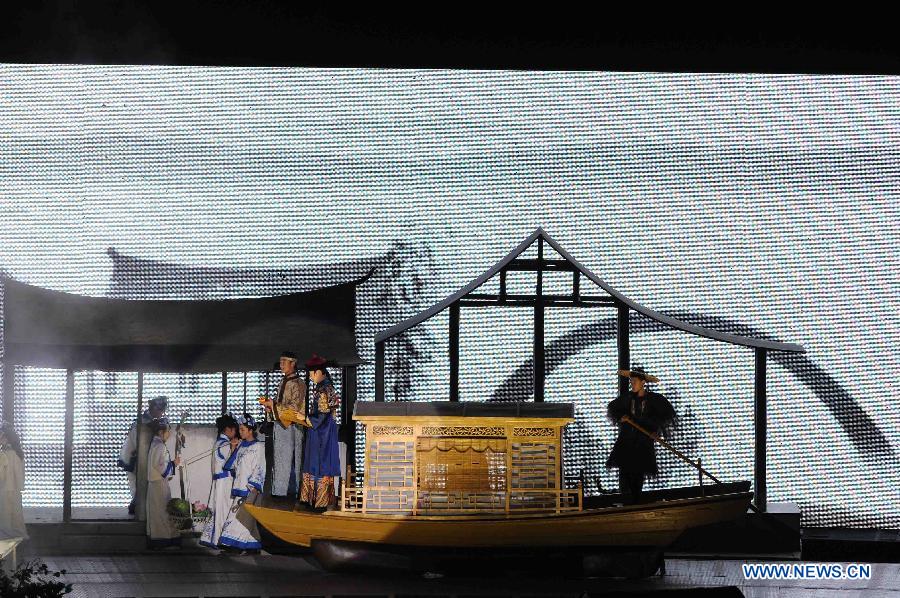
<point>321,460</point>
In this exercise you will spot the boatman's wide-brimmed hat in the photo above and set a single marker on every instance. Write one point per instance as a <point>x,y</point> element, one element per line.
<point>638,372</point>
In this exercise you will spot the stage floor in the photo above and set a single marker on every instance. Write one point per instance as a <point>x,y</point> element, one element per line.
<point>200,575</point>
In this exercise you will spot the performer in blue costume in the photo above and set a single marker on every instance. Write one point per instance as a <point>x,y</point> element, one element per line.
<point>321,460</point>
<point>220,492</point>
<point>240,533</point>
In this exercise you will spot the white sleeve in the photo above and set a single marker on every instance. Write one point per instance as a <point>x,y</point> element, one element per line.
<point>258,474</point>
<point>158,462</point>
<point>129,449</point>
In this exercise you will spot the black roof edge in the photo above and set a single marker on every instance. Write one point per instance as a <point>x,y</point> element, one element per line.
<point>725,337</point>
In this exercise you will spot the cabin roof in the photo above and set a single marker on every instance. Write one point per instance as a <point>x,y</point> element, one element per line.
<point>464,409</point>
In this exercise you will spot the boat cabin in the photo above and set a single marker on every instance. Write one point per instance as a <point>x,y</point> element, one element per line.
<point>446,458</point>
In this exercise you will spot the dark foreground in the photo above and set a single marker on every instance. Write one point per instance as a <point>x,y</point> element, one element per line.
<point>269,576</point>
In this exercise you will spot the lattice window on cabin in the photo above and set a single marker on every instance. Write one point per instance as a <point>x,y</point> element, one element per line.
<point>390,464</point>
<point>534,465</point>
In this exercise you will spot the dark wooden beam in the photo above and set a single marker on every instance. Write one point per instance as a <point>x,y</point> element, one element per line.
<point>349,390</point>
<point>546,299</point>
<point>624,347</point>
<point>530,303</point>
<point>502,296</point>
<point>379,371</point>
<point>245,392</point>
<point>759,428</point>
<point>528,265</point>
<point>68,448</point>
<point>576,285</point>
<point>539,327</point>
<point>454,351</point>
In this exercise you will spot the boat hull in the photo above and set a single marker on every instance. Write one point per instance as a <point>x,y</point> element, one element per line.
<point>645,525</point>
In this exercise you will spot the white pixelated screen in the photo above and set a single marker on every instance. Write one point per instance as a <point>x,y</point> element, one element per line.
<point>764,205</point>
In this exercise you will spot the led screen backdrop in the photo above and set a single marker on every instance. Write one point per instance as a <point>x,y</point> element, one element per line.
<point>763,205</point>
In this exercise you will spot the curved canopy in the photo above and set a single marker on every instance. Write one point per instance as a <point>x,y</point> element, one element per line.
<point>61,330</point>
<point>615,295</point>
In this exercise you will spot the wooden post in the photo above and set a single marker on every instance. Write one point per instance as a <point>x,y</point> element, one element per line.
<point>454,351</point>
<point>379,371</point>
<point>759,425</point>
<point>9,392</point>
<point>245,393</point>
<point>224,392</point>
<point>67,445</point>
<point>539,328</point>
<point>348,389</point>
<point>624,347</point>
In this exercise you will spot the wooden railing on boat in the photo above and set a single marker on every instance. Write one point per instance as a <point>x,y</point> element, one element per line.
<point>411,501</point>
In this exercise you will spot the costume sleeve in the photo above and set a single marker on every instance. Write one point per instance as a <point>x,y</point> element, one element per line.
<point>220,454</point>
<point>251,471</point>
<point>241,474</point>
<point>258,474</point>
<point>294,395</point>
<point>157,460</point>
<point>328,399</point>
<point>18,471</point>
<point>128,452</point>
<point>617,408</point>
<point>661,417</point>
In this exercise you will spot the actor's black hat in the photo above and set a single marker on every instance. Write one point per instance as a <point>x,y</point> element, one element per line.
<point>638,372</point>
<point>289,355</point>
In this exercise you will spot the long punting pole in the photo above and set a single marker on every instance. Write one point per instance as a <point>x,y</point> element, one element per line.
<point>539,327</point>
<point>759,425</point>
<point>674,450</point>
<point>686,459</point>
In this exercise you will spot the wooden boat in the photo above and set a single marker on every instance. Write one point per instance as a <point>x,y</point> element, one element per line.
<point>655,524</point>
<point>487,475</point>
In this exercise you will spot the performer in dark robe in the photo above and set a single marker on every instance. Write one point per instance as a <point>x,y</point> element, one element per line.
<point>321,460</point>
<point>634,453</point>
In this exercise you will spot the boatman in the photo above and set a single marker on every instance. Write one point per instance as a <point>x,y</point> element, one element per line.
<point>634,453</point>
<point>287,445</point>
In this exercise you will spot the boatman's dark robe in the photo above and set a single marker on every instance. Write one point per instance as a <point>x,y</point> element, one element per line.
<point>634,453</point>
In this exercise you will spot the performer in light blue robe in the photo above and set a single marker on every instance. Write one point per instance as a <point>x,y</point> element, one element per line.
<point>239,532</point>
<point>224,454</point>
<point>321,458</point>
<point>133,454</point>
